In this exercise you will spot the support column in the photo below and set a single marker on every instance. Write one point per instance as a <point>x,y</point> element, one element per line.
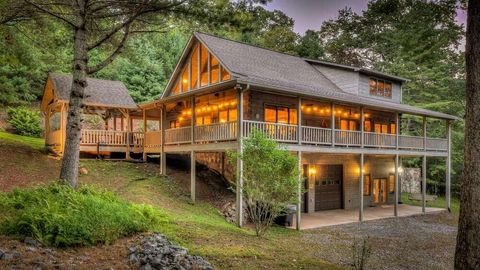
<point>362,161</point>
<point>129,133</point>
<point>239,180</point>
<point>362,127</point>
<point>299,121</point>
<point>299,203</point>
<point>193,179</point>
<point>332,125</point>
<point>397,129</point>
<point>448,166</point>
<point>163,155</point>
<point>395,207</point>
<point>424,182</point>
<point>192,124</point>
<point>144,156</point>
<point>425,133</point>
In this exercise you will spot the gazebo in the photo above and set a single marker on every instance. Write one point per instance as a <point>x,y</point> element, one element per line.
<point>115,126</point>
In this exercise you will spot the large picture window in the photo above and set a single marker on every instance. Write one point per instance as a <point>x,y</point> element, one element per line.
<point>280,114</point>
<point>380,88</point>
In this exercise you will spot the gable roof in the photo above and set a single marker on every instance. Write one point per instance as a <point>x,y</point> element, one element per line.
<point>264,68</point>
<point>98,92</point>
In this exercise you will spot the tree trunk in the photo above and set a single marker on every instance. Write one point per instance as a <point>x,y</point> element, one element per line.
<point>467,255</point>
<point>71,155</point>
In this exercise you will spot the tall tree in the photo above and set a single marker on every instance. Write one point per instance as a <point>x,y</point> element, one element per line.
<point>467,254</point>
<point>310,45</point>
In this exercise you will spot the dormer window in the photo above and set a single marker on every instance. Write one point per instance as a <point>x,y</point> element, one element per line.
<point>380,88</point>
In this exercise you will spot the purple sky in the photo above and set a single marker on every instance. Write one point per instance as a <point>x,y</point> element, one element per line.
<point>309,14</point>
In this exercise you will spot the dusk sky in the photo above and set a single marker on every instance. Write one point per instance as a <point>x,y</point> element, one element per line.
<point>309,14</point>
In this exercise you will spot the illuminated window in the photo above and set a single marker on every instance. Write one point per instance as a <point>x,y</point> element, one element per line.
<point>380,88</point>
<point>393,128</point>
<point>368,126</point>
<point>385,129</point>
<point>185,79</point>
<point>194,68</point>
<point>214,68</point>
<point>391,183</point>
<point>344,124</point>
<point>223,116</point>
<point>232,115</point>
<point>225,74</point>
<point>176,88</point>
<point>378,128</point>
<point>352,125</point>
<point>174,124</point>
<point>280,114</point>
<point>203,66</point>
<point>367,184</point>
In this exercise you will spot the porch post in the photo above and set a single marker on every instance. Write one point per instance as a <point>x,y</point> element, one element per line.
<point>63,121</point>
<point>144,156</point>
<point>239,180</point>
<point>396,190</point>
<point>192,131</point>
<point>129,129</point>
<point>332,125</point>
<point>362,127</point>
<point>397,129</point>
<point>299,121</point>
<point>362,160</point>
<point>424,182</point>
<point>192,175</point>
<point>299,203</point>
<point>163,155</point>
<point>448,166</point>
<point>425,133</point>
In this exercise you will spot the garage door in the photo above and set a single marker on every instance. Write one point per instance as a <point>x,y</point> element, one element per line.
<point>328,187</point>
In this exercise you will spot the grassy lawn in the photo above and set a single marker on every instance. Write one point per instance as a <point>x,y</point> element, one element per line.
<point>35,143</point>
<point>199,227</point>
<point>438,203</point>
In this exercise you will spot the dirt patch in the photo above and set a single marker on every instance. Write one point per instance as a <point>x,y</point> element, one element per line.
<point>417,242</point>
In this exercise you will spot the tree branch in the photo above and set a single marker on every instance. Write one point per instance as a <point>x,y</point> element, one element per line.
<point>109,59</point>
<point>44,10</point>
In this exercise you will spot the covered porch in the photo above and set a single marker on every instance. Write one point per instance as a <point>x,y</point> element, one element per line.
<point>345,216</point>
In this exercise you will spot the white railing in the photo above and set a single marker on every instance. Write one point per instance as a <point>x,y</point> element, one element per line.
<point>178,135</point>
<point>437,144</point>
<point>153,139</point>
<point>316,135</point>
<point>379,139</point>
<point>274,131</point>
<point>410,142</point>
<point>348,137</point>
<point>105,137</point>
<point>216,132</point>
<point>137,139</point>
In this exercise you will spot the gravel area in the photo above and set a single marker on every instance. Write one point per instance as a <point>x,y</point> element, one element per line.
<point>416,242</point>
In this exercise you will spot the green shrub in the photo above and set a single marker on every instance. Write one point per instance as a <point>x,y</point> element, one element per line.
<point>57,215</point>
<point>25,122</point>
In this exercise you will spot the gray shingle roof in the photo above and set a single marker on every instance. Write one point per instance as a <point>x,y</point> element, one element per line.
<point>98,92</point>
<point>294,75</point>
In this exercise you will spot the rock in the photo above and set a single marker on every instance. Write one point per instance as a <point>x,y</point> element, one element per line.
<point>156,252</point>
<point>83,171</point>
<point>1,254</point>
<point>8,256</point>
<point>30,241</point>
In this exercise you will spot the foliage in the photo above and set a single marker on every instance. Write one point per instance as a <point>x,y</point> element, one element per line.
<point>310,45</point>
<point>57,215</point>
<point>270,180</point>
<point>25,121</point>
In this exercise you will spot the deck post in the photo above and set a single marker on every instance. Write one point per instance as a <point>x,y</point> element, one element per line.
<point>424,183</point>
<point>332,124</point>
<point>163,155</point>
<point>448,166</point>
<point>239,180</point>
<point>362,127</point>
<point>396,190</point>
<point>63,118</point>
<point>144,153</point>
<point>192,131</point>
<point>193,179</point>
<point>299,121</point>
<point>129,129</point>
<point>299,202</point>
<point>424,133</point>
<point>362,161</point>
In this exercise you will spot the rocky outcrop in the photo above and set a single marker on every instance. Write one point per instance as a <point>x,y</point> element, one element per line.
<point>156,252</point>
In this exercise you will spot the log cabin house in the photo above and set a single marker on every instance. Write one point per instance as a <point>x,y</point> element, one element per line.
<point>343,122</point>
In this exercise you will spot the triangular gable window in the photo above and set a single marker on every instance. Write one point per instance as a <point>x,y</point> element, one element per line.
<point>200,69</point>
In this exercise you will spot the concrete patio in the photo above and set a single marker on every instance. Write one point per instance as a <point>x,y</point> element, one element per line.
<point>343,216</point>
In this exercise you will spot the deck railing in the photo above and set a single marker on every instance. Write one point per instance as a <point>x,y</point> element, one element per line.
<point>437,144</point>
<point>348,138</point>
<point>137,139</point>
<point>107,137</point>
<point>216,132</point>
<point>178,135</point>
<point>275,131</point>
<point>379,139</point>
<point>316,135</point>
<point>410,142</point>
<point>153,139</point>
